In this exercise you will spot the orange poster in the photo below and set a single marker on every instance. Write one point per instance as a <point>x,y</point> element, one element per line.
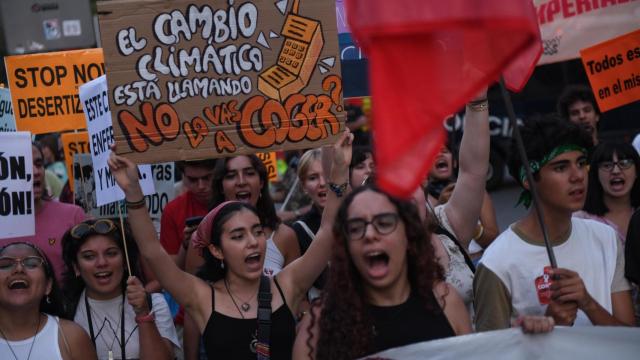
<point>613,68</point>
<point>44,88</point>
<point>74,143</point>
<point>269,160</point>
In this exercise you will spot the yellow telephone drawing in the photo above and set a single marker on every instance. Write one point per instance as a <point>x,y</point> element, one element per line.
<point>298,57</point>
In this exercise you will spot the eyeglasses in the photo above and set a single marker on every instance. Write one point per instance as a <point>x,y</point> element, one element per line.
<point>28,263</point>
<point>608,166</point>
<point>102,227</point>
<point>383,223</point>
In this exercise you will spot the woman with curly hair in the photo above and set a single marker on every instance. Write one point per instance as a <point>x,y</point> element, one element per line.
<point>123,321</point>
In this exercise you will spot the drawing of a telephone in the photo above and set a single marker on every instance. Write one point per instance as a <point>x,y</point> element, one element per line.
<point>298,57</point>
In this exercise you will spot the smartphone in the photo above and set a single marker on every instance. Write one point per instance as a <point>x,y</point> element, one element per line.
<point>193,221</point>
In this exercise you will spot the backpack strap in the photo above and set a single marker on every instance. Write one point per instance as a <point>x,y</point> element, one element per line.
<point>440,230</point>
<point>264,319</point>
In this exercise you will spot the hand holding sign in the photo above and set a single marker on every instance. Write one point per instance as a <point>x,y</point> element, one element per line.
<point>125,174</point>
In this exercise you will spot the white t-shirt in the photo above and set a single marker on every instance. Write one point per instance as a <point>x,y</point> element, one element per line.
<point>105,315</point>
<point>590,251</point>
<point>45,344</point>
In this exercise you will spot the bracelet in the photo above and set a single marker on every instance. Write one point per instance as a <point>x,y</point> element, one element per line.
<point>150,317</point>
<point>338,189</point>
<point>478,105</point>
<point>132,205</point>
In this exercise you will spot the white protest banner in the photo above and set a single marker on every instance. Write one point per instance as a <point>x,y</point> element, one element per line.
<point>95,101</point>
<point>567,26</point>
<point>7,120</point>
<point>17,214</point>
<point>580,342</point>
<point>85,190</point>
<point>165,190</point>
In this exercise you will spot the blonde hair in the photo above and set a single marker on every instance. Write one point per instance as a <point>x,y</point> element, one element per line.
<point>306,160</point>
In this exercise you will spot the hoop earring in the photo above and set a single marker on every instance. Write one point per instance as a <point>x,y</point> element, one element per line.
<point>48,299</point>
<point>221,264</point>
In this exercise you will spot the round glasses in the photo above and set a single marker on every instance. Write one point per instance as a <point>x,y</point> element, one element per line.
<point>608,166</point>
<point>28,263</point>
<point>102,227</point>
<point>384,224</point>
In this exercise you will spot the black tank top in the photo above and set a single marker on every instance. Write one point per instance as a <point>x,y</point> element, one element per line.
<point>407,323</point>
<point>230,338</point>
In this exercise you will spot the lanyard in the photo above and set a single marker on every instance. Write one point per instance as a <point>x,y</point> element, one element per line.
<point>93,336</point>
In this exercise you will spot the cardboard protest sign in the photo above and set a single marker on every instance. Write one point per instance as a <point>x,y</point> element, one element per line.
<point>17,212</point>
<point>613,68</point>
<point>270,162</point>
<point>7,121</point>
<point>72,144</point>
<point>567,26</point>
<point>93,96</point>
<point>196,79</point>
<point>84,187</point>
<point>163,181</point>
<point>44,88</point>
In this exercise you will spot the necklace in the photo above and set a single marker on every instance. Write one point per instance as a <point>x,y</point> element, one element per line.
<point>245,306</point>
<point>35,335</point>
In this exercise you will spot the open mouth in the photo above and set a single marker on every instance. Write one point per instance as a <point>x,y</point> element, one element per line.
<point>243,196</point>
<point>36,184</point>
<point>377,263</point>
<point>254,262</point>
<point>18,284</point>
<point>577,192</point>
<point>322,194</point>
<point>103,277</point>
<point>441,164</point>
<point>617,183</point>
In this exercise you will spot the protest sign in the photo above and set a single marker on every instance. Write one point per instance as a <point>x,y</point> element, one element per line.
<point>93,96</point>
<point>566,26</point>
<point>195,79</point>
<point>44,88</point>
<point>72,144</point>
<point>613,68</point>
<point>580,342</point>
<point>85,190</point>
<point>7,121</point>
<point>270,162</point>
<point>17,212</point>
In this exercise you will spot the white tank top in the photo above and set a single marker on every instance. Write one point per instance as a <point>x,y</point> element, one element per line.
<point>273,260</point>
<point>45,344</point>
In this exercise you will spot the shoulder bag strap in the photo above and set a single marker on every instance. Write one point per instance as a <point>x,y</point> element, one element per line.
<point>440,230</point>
<point>264,319</point>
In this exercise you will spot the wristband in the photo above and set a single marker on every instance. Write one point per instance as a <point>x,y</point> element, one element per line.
<point>338,189</point>
<point>132,205</point>
<point>478,105</point>
<point>150,317</point>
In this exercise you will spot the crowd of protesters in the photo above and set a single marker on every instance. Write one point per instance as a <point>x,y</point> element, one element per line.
<point>345,270</point>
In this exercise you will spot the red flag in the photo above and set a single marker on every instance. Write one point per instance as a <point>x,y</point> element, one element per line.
<point>426,59</point>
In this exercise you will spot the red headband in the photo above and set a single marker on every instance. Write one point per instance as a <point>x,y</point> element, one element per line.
<point>201,238</point>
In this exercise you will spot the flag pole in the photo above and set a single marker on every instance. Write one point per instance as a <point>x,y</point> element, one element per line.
<point>124,238</point>
<point>525,163</point>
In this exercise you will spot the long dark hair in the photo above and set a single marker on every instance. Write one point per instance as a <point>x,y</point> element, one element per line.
<point>594,204</point>
<point>74,285</point>
<point>345,324</point>
<point>265,207</point>
<point>212,269</point>
<point>53,303</point>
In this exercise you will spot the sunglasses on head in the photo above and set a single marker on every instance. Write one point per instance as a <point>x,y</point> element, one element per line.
<point>102,227</point>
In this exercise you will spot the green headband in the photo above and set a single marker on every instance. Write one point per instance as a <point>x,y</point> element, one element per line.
<point>536,165</point>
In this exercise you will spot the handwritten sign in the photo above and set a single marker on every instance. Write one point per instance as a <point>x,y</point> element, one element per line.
<point>270,162</point>
<point>7,121</point>
<point>44,88</point>
<point>613,68</point>
<point>17,212</point>
<point>93,96</point>
<point>196,79</point>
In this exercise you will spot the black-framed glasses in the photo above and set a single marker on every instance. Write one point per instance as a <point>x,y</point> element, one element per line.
<point>28,263</point>
<point>383,223</point>
<point>608,166</point>
<point>102,227</point>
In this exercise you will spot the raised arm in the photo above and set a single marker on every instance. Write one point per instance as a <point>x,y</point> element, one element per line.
<point>185,288</point>
<point>463,209</point>
<point>298,277</point>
